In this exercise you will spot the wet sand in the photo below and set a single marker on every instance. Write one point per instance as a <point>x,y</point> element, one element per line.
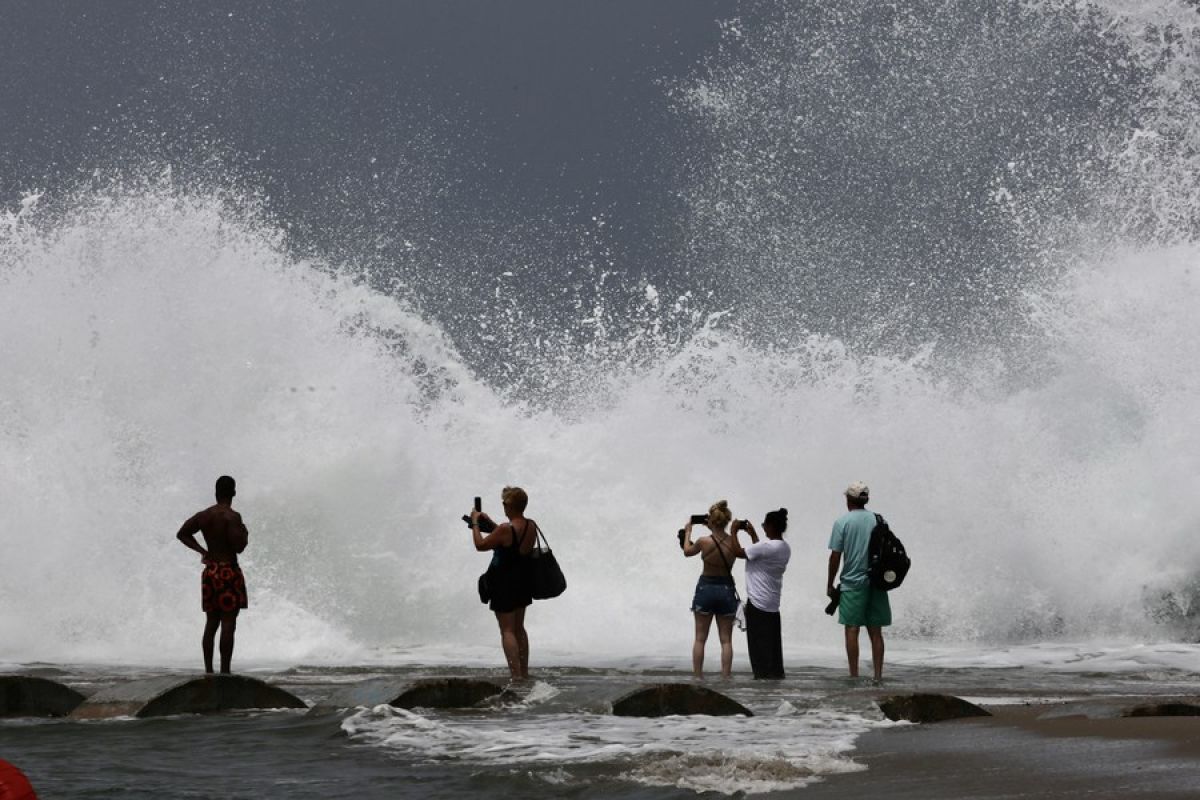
<point>1027,752</point>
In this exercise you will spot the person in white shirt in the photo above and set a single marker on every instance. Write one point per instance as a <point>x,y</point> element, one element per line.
<point>765,562</point>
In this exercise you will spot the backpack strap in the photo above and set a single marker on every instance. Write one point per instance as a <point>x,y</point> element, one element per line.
<point>873,544</point>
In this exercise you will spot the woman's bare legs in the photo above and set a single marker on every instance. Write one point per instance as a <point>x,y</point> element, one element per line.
<point>703,623</point>
<point>522,643</point>
<point>725,631</point>
<point>509,641</point>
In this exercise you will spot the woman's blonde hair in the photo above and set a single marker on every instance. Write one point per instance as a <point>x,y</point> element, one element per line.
<point>719,513</point>
<point>515,498</point>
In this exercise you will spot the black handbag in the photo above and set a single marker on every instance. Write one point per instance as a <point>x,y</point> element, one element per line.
<point>546,579</point>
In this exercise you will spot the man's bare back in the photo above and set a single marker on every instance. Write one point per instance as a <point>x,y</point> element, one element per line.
<point>224,532</point>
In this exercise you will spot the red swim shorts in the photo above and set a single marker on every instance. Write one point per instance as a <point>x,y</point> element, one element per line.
<point>222,588</point>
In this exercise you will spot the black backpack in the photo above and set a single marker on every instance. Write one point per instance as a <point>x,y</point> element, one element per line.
<point>887,563</point>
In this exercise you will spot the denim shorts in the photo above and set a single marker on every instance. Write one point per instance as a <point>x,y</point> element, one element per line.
<point>715,595</point>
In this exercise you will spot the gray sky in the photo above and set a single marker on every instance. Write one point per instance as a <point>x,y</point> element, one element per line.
<point>541,103</point>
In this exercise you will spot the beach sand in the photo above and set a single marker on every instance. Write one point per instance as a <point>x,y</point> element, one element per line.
<point>1029,751</point>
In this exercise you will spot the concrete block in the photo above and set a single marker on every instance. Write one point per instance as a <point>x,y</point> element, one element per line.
<point>420,693</point>
<point>159,697</point>
<point>666,699</point>
<point>928,708</point>
<point>27,696</point>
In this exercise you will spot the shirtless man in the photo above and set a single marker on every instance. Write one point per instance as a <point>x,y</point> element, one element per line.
<point>222,587</point>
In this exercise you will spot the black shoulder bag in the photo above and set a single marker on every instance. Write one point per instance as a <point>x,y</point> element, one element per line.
<point>485,590</point>
<point>546,579</point>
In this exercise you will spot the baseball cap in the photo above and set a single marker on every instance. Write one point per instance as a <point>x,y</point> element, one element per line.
<point>858,491</point>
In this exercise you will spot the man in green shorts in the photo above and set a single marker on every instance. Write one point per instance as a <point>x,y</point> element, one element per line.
<point>860,605</point>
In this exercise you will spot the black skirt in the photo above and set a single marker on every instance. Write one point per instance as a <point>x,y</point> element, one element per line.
<point>510,587</point>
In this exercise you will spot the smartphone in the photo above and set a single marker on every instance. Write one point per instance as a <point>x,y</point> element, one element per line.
<point>699,519</point>
<point>479,504</point>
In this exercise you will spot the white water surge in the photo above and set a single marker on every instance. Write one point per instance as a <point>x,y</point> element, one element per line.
<point>153,344</point>
<point>783,750</point>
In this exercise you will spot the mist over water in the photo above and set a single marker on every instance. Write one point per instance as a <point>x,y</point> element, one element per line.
<point>1016,384</point>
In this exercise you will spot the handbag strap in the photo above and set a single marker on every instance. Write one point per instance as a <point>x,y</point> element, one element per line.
<point>537,533</point>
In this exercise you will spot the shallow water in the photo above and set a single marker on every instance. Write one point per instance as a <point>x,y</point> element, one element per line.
<point>559,740</point>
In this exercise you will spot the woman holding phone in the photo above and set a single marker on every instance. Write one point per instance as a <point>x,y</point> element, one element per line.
<point>715,593</point>
<point>508,576</point>
<point>766,561</point>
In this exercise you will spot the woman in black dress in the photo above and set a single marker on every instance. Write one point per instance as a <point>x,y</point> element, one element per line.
<point>508,575</point>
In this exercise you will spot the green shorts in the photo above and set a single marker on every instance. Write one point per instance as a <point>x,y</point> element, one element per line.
<point>864,607</point>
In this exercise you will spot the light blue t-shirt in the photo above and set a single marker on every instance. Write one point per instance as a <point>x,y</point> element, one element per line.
<point>852,538</point>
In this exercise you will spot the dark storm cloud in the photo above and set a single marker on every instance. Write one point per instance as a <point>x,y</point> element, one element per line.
<point>543,103</point>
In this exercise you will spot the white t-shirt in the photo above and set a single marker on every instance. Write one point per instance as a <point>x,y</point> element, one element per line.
<point>765,562</point>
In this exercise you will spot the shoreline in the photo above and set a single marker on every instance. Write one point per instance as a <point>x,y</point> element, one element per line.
<point>1019,752</point>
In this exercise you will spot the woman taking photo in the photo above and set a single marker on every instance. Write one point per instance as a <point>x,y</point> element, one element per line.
<point>765,562</point>
<point>508,575</point>
<point>715,594</point>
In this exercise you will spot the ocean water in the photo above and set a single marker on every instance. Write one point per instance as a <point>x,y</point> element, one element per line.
<point>964,274</point>
<point>558,739</point>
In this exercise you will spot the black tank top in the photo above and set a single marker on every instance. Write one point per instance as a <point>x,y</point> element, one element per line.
<point>510,556</point>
